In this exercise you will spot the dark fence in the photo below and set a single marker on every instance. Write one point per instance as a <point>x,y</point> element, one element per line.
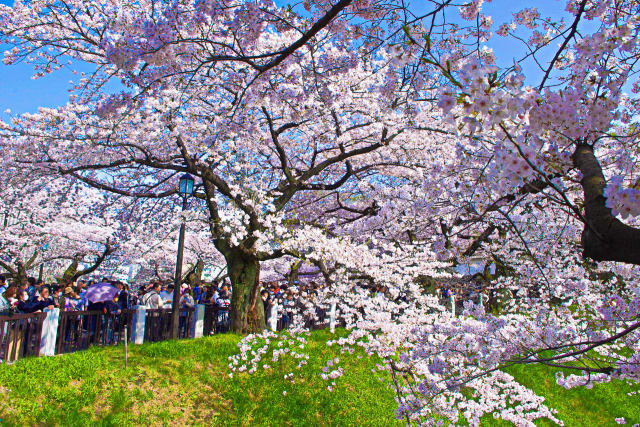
<point>20,335</point>
<point>158,324</point>
<point>216,320</point>
<point>77,330</point>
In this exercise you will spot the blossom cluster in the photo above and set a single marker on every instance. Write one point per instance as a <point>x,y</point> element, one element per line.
<point>622,201</point>
<point>331,371</point>
<point>255,349</point>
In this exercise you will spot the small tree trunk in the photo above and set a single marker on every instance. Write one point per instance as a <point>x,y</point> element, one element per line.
<point>247,312</point>
<point>69,273</point>
<point>195,275</point>
<point>294,272</point>
<point>21,276</point>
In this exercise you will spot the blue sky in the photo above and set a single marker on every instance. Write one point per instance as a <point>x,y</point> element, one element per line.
<point>20,94</point>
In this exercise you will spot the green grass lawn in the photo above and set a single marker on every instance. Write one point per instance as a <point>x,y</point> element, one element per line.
<point>187,383</point>
<point>599,406</point>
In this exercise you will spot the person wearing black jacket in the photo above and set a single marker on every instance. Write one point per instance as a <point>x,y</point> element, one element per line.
<point>123,296</point>
<point>112,307</point>
<point>267,304</point>
<point>106,307</point>
<point>106,325</point>
<point>45,299</point>
<point>25,305</point>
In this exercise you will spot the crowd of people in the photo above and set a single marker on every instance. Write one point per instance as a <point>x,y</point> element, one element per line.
<point>290,298</point>
<point>28,297</point>
<point>35,295</point>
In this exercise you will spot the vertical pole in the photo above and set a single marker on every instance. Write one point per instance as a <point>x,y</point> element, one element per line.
<point>332,318</point>
<point>273,319</point>
<point>125,346</point>
<point>175,304</point>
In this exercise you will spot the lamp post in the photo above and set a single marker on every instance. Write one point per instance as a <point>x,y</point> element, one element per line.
<point>185,190</point>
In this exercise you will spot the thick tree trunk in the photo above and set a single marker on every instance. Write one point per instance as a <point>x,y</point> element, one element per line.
<point>247,313</point>
<point>604,238</point>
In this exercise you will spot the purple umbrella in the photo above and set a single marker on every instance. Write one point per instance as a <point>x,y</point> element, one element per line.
<point>99,292</point>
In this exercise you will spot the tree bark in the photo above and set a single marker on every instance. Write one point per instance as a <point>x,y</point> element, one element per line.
<point>604,238</point>
<point>21,277</point>
<point>293,275</point>
<point>194,277</point>
<point>247,312</point>
<point>69,273</point>
<point>18,275</point>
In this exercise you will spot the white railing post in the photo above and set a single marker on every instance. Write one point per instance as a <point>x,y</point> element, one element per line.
<point>139,319</point>
<point>49,332</point>
<point>273,317</point>
<point>198,323</point>
<point>332,318</point>
<point>453,304</point>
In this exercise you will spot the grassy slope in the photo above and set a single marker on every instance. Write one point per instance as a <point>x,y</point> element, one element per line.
<point>187,383</point>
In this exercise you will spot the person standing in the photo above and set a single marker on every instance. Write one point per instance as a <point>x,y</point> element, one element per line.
<point>167,295</point>
<point>267,303</point>
<point>6,299</point>
<point>123,295</point>
<point>71,300</point>
<point>152,298</point>
<point>58,297</point>
<point>31,288</point>
<point>186,300</point>
<point>3,284</point>
<point>44,299</point>
<point>197,291</point>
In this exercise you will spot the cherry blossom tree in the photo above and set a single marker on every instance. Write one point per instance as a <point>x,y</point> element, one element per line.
<point>256,138</point>
<point>315,136</point>
<point>544,186</point>
<point>53,223</point>
<point>541,182</point>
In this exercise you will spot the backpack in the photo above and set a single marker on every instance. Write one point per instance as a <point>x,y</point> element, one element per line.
<point>146,299</point>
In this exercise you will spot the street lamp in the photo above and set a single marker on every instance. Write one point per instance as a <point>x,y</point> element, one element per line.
<point>186,185</point>
<point>185,189</point>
